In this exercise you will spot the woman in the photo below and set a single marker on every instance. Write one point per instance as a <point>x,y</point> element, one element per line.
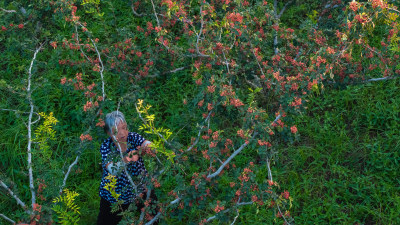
<point>120,139</point>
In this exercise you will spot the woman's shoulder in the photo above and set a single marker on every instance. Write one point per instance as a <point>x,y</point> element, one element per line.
<point>132,135</point>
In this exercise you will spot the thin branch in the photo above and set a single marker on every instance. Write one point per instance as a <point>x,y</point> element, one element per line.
<point>124,164</point>
<point>328,5</point>
<point>237,215</point>
<point>142,213</point>
<point>17,111</point>
<point>216,173</point>
<point>227,210</point>
<point>380,55</point>
<point>284,8</point>
<point>269,170</point>
<point>101,63</point>
<point>226,62</point>
<point>277,18</point>
<point>200,32</point>
<point>245,203</point>
<point>19,202</point>
<point>29,94</point>
<point>270,178</point>
<point>67,174</point>
<point>77,41</point>
<point>277,118</point>
<point>394,10</point>
<point>155,13</point>
<point>6,218</point>
<point>159,213</point>
<point>198,136</point>
<point>101,70</point>
<point>259,66</point>
<point>8,11</point>
<point>134,11</point>
<point>378,79</point>
<point>154,219</point>
<point>367,81</point>
<point>171,71</point>
<point>279,209</point>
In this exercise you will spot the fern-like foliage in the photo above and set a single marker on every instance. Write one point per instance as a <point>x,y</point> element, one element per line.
<point>92,7</point>
<point>161,134</point>
<point>44,133</point>
<point>252,96</point>
<point>66,209</point>
<point>110,186</point>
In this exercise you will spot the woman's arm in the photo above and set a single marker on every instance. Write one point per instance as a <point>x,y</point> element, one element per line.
<point>134,155</point>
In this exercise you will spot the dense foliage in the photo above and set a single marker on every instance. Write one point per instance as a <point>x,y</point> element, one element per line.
<point>219,87</point>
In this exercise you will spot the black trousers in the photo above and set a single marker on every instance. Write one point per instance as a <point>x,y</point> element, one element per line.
<point>106,217</point>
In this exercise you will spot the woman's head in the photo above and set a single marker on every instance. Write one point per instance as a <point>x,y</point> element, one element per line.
<point>115,125</point>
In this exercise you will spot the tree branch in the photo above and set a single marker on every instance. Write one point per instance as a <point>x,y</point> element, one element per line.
<point>227,210</point>
<point>29,94</point>
<point>171,71</point>
<point>159,214</point>
<point>19,202</point>
<point>134,11</point>
<point>155,13</point>
<point>142,213</point>
<point>270,178</point>
<point>378,79</point>
<point>101,63</point>
<point>17,111</point>
<point>198,136</point>
<point>8,11</point>
<point>8,219</point>
<point>284,8</point>
<point>200,32</point>
<point>216,173</point>
<point>124,164</point>
<point>77,41</point>
<point>226,62</point>
<point>67,174</point>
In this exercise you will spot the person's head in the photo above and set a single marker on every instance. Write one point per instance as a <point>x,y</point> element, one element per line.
<point>115,125</point>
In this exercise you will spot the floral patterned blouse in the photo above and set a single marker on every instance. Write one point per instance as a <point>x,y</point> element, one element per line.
<point>123,187</point>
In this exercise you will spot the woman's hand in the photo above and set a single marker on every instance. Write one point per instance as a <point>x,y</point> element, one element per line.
<point>132,156</point>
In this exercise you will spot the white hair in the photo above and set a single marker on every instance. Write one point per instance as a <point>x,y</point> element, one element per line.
<point>112,120</point>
